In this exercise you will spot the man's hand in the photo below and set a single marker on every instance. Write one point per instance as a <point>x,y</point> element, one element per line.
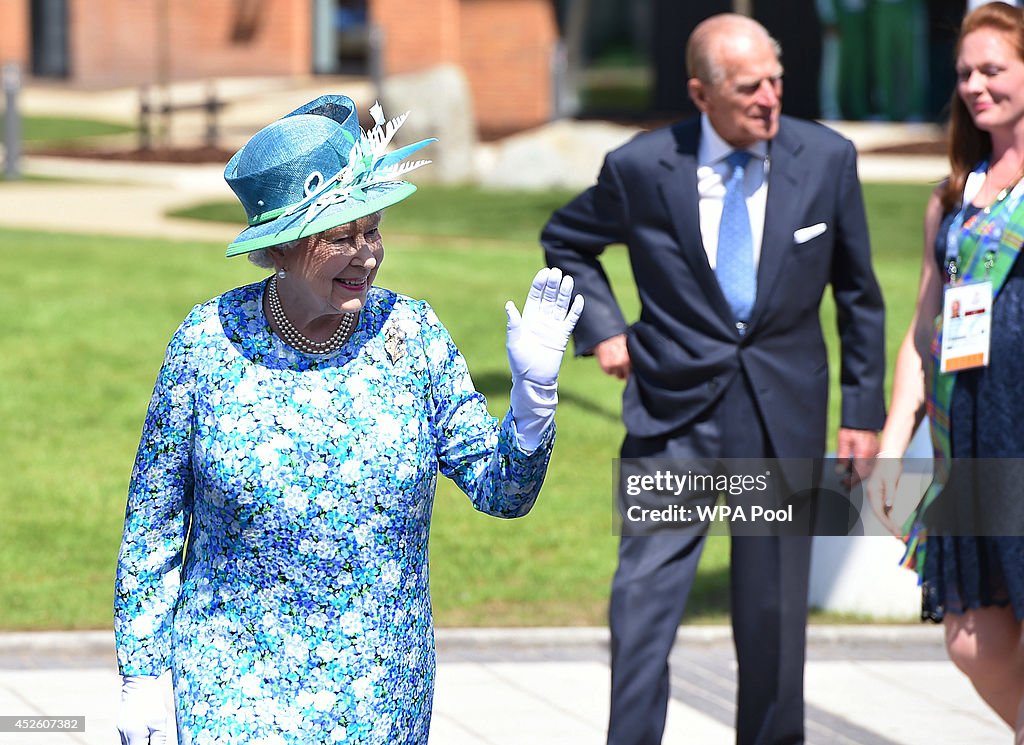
<point>613,357</point>
<point>855,453</point>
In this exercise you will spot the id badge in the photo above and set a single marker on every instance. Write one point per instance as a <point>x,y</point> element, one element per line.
<point>966,326</point>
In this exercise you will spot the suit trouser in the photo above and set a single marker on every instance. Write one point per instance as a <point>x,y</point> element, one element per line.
<point>768,592</point>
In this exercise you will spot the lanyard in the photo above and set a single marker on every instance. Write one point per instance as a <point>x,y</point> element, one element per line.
<point>988,224</point>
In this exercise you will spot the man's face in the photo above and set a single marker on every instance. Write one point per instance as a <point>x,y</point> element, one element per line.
<point>744,105</point>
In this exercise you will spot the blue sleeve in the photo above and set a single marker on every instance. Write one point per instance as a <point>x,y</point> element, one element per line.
<point>157,518</point>
<point>474,449</point>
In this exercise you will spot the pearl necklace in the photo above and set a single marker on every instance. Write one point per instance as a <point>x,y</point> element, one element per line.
<point>296,340</point>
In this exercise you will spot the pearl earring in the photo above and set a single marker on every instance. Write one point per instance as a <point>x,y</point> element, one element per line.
<point>281,274</point>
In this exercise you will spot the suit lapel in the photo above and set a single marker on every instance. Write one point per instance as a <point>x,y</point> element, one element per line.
<point>784,186</point>
<point>678,189</point>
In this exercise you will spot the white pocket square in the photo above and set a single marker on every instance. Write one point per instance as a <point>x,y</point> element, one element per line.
<point>802,235</point>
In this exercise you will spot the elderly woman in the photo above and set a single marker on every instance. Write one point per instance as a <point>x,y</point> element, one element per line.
<point>275,544</point>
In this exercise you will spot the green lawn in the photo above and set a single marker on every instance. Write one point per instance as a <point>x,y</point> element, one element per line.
<point>49,130</point>
<point>83,324</point>
<point>454,211</point>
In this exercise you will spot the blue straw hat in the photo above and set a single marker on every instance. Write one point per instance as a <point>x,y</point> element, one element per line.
<point>315,169</point>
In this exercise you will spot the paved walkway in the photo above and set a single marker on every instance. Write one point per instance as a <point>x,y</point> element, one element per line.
<point>866,685</point>
<point>115,198</point>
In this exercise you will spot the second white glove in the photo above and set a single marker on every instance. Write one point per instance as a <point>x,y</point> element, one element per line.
<point>142,718</point>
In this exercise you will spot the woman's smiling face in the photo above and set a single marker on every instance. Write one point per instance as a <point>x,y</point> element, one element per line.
<point>990,79</point>
<point>333,270</point>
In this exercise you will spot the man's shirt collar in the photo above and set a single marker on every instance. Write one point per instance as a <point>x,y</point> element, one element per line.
<point>713,149</point>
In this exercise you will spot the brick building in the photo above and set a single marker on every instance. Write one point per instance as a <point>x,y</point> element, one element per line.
<point>505,47</point>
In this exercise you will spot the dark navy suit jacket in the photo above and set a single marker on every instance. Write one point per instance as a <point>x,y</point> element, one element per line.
<point>685,348</point>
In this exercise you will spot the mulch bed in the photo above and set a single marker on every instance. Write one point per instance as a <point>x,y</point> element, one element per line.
<point>934,147</point>
<point>188,155</point>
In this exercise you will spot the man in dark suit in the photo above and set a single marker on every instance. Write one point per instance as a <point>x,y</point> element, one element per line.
<point>727,359</point>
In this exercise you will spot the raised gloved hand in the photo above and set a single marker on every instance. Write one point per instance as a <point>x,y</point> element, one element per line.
<point>142,718</point>
<point>536,342</point>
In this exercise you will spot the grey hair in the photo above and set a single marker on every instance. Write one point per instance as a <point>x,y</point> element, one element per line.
<point>261,256</point>
<point>702,59</point>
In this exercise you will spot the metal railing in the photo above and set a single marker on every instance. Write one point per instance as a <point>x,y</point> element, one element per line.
<point>152,113</point>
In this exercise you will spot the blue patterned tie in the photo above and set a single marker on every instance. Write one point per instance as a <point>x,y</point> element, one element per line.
<point>735,264</point>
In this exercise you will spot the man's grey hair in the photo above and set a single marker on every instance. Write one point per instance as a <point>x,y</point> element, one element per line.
<point>702,48</point>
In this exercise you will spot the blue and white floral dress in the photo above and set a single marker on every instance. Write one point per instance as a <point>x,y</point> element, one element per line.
<point>302,486</point>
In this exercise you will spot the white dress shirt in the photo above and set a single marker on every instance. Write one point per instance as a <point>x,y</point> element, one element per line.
<point>713,172</point>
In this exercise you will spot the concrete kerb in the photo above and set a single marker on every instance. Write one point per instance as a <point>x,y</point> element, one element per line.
<point>86,643</point>
<point>100,642</point>
<point>696,634</point>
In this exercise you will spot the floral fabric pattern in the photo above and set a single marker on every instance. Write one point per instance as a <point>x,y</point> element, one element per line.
<point>275,545</point>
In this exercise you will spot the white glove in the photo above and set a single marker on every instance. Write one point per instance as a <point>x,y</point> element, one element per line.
<point>535,343</point>
<point>142,718</point>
